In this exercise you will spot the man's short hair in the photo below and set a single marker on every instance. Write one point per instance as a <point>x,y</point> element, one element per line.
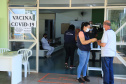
<point>107,23</point>
<point>44,34</point>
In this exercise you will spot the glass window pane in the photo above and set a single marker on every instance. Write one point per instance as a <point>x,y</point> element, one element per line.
<point>87,3</point>
<point>121,49</point>
<point>15,46</point>
<point>121,35</point>
<point>21,36</point>
<point>121,70</point>
<point>116,2</point>
<point>23,5</point>
<point>117,17</point>
<point>22,2</point>
<point>118,21</point>
<point>54,3</point>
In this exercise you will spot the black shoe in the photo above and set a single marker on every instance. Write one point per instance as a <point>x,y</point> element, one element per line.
<point>86,79</point>
<point>80,80</point>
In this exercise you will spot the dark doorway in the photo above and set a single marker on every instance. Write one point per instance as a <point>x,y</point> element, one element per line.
<point>49,28</point>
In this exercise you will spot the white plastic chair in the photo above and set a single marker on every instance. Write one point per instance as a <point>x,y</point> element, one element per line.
<point>2,50</point>
<point>26,54</point>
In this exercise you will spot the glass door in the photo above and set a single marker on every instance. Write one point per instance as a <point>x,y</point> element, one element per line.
<point>117,16</point>
<point>23,32</point>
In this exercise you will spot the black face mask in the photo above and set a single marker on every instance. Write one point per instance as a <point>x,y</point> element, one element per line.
<point>46,37</point>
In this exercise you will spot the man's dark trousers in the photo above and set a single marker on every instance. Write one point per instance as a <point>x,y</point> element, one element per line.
<point>107,67</point>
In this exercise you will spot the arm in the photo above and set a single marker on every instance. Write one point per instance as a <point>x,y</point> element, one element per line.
<point>44,41</point>
<point>104,40</point>
<point>76,33</point>
<point>49,40</point>
<point>82,39</point>
<point>101,44</point>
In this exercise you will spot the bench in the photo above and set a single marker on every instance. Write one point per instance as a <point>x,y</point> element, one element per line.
<point>42,52</point>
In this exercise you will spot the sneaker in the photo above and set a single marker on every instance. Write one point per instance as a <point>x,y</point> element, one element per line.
<point>48,56</point>
<point>71,66</point>
<point>66,65</point>
<point>86,79</point>
<point>80,80</point>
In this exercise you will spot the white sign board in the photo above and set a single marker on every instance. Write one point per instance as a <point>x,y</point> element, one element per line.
<point>22,23</point>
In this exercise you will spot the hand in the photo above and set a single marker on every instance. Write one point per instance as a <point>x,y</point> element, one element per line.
<point>49,40</point>
<point>99,42</point>
<point>94,39</point>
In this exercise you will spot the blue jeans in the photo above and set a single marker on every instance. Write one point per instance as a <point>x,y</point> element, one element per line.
<point>107,67</point>
<point>83,61</point>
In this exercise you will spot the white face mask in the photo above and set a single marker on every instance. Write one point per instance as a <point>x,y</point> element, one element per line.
<point>87,30</point>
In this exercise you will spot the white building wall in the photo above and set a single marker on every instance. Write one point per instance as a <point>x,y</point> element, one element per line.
<point>67,17</point>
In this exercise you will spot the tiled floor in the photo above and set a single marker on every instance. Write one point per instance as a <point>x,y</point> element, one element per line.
<point>55,64</point>
<point>59,75</point>
<point>52,78</point>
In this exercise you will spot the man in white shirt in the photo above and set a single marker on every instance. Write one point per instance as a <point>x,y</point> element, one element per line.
<point>108,51</point>
<point>45,45</point>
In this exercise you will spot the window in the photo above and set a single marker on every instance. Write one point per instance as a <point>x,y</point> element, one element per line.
<point>54,3</point>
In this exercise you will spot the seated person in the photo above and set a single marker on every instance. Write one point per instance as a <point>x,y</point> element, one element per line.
<point>45,45</point>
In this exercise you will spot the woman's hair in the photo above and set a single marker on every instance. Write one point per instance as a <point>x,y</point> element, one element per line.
<point>84,24</point>
<point>71,27</point>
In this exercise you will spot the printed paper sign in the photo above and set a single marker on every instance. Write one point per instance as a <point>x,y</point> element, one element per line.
<point>18,30</point>
<point>22,30</point>
<point>22,23</point>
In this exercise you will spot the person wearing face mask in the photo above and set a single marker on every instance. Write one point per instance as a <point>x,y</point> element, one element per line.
<point>83,43</point>
<point>108,52</point>
<point>91,23</point>
<point>92,33</point>
<point>45,45</point>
